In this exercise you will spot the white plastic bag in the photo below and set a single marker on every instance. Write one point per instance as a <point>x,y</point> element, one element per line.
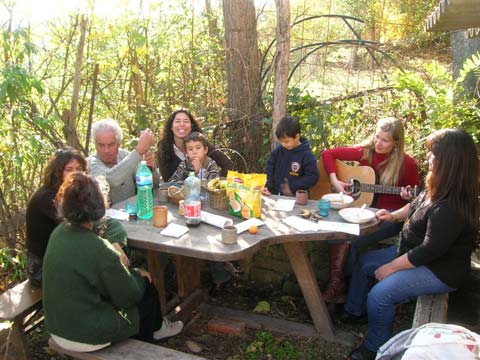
<point>432,341</point>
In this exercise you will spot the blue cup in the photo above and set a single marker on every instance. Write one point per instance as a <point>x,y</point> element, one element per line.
<point>131,209</point>
<point>323,207</point>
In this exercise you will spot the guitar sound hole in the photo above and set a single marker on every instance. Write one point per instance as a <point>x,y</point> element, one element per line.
<point>355,188</point>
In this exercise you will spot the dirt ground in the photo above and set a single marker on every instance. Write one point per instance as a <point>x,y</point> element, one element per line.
<point>254,344</point>
<point>464,309</point>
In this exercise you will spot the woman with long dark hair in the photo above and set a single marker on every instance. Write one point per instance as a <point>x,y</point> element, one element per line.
<point>436,241</point>
<point>42,216</point>
<point>171,148</point>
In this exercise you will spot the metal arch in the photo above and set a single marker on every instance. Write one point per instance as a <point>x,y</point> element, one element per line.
<point>367,44</point>
<point>343,17</point>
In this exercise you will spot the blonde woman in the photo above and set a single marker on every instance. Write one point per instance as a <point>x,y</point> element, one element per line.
<point>384,152</point>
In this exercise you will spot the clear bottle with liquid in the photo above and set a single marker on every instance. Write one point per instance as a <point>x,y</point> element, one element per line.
<point>144,181</point>
<point>193,205</point>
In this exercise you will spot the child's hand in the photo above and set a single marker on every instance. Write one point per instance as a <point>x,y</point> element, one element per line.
<point>197,164</point>
<point>265,191</point>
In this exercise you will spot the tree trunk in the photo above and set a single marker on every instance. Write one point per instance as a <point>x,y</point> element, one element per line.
<point>281,62</point>
<point>212,20</point>
<point>244,101</point>
<point>69,116</point>
<point>462,49</point>
<point>92,107</point>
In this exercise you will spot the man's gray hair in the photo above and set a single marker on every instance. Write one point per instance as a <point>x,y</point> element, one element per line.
<point>107,125</point>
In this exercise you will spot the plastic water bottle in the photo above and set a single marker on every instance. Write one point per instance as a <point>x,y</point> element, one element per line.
<point>144,181</point>
<point>193,205</point>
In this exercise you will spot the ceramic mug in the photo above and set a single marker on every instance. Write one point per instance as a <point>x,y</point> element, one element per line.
<point>301,197</point>
<point>163,195</point>
<point>160,216</point>
<point>229,234</point>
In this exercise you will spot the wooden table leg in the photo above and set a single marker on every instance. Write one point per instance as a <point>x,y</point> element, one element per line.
<point>308,283</point>
<point>188,275</point>
<point>157,269</point>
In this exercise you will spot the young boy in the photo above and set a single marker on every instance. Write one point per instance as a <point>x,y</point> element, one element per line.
<point>291,166</point>
<point>197,160</point>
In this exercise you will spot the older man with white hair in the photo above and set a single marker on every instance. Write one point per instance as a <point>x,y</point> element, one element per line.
<point>119,166</point>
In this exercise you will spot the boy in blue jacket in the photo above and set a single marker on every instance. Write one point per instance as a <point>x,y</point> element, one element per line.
<point>291,166</point>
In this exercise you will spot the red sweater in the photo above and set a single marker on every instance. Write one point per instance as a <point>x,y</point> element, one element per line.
<point>410,174</point>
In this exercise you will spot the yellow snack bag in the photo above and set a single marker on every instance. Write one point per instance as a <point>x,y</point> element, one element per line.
<point>244,194</point>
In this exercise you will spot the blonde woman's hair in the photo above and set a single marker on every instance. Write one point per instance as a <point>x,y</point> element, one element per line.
<point>391,169</point>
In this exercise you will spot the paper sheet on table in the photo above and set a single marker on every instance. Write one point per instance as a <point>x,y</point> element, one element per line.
<point>244,225</point>
<point>284,204</point>
<point>300,224</point>
<point>353,229</point>
<point>117,214</point>
<point>215,220</point>
<point>174,230</point>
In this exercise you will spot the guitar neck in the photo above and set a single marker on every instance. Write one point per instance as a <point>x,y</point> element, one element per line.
<point>381,189</point>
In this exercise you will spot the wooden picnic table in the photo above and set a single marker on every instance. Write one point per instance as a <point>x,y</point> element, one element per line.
<point>204,242</point>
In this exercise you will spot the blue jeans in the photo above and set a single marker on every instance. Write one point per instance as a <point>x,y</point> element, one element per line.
<point>378,300</point>
<point>385,231</point>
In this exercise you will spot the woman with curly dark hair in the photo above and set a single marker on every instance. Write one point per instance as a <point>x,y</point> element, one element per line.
<point>436,241</point>
<point>90,298</point>
<point>42,216</point>
<point>171,147</point>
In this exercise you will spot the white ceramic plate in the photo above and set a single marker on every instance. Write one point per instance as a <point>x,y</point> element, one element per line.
<point>338,201</point>
<point>357,215</point>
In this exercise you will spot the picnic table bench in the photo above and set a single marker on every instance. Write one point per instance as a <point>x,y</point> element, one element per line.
<point>129,349</point>
<point>430,308</point>
<point>18,305</point>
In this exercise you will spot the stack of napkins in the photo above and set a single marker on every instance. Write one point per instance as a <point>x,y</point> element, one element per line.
<point>117,214</point>
<point>284,205</point>
<point>174,230</point>
<point>245,225</point>
<point>305,225</point>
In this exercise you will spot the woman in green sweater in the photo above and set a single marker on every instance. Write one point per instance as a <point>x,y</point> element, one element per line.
<point>90,298</point>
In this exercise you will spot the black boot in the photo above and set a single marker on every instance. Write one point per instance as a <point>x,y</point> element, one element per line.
<point>362,353</point>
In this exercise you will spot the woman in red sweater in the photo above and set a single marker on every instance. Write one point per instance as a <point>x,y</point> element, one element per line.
<point>384,152</point>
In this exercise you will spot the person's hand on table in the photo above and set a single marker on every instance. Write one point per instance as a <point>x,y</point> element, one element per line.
<point>144,273</point>
<point>266,192</point>
<point>123,256</point>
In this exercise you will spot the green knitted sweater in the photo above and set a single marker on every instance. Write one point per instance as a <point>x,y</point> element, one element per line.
<point>88,295</point>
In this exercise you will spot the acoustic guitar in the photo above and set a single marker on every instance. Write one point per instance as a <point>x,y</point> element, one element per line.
<point>361,179</point>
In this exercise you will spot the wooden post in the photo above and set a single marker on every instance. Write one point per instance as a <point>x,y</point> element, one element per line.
<point>188,275</point>
<point>157,269</point>
<point>308,283</point>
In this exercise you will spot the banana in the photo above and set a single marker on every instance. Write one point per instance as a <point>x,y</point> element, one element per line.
<point>212,184</point>
<point>222,184</point>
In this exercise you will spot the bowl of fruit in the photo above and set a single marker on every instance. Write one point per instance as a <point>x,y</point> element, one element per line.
<point>217,192</point>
